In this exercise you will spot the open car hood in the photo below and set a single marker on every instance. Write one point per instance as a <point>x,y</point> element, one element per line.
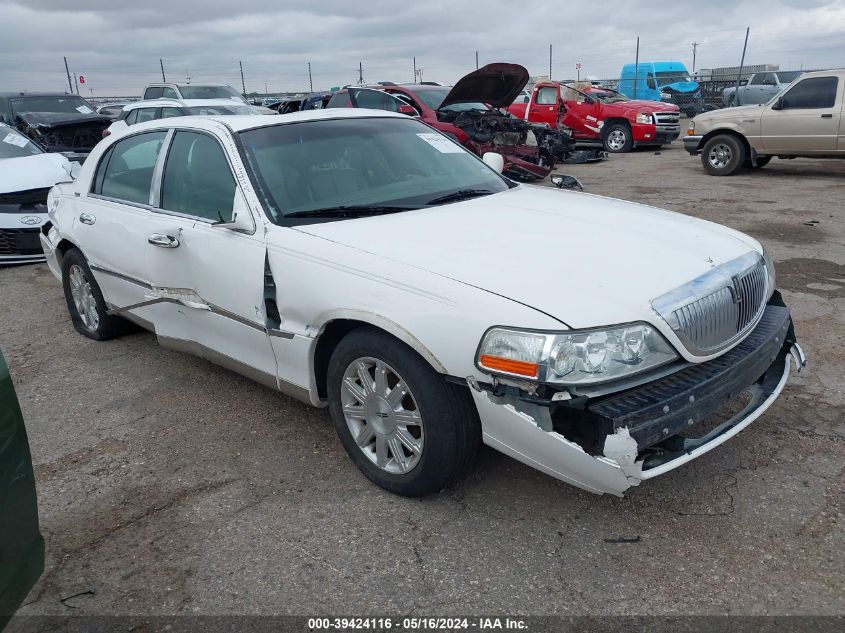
<point>57,119</point>
<point>495,84</point>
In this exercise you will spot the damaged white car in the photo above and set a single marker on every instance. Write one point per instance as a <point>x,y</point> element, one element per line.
<point>360,260</point>
<point>26,174</point>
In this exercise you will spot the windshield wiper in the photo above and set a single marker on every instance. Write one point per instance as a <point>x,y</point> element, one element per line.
<point>461,194</point>
<point>351,211</point>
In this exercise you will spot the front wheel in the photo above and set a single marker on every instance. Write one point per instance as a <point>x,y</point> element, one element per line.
<point>85,302</point>
<point>406,428</point>
<point>723,155</point>
<point>618,138</point>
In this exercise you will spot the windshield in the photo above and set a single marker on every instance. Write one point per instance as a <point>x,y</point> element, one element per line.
<point>70,104</point>
<point>210,92</point>
<point>314,167</point>
<point>666,77</point>
<point>606,95</point>
<point>211,110</point>
<point>789,76</point>
<point>14,145</point>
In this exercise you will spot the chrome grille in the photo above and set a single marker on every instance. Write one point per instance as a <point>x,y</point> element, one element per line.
<point>667,120</point>
<point>718,308</point>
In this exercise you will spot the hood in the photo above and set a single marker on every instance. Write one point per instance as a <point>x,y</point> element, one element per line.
<point>734,113</point>
<point>57,119</point>
<point>583,259</point>
<point>495,84</point>
<point>33,172</point>
<point>681,86</point>
<point>643,106</point>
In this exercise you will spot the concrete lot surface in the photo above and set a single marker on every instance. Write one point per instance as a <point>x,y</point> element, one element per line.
<point>169,485</point>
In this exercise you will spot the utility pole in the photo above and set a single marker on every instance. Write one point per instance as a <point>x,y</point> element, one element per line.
<point>636,67</point>
<point>69,85</point>
<point>265,88</point>
<point>360,74</point>
<point>243,85</point>
<point>694,46</point>
<point>741,64</point>
<point>75,83</point>
<point>310,79</point>
<point>415,69</point>
<point>476,60</point>
<point>550,62</point>
<point>161,63</point>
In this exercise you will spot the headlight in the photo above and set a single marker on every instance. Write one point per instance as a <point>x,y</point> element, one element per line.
<point>770,269</point>
<point>576,357</point>
<point>691,128</point>
<point>644,117</point>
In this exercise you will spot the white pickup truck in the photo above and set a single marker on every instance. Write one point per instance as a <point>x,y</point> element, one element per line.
<point>760,87</point>
<point>803,121</point>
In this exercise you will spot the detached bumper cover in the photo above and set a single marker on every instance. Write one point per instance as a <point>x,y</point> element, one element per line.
<point>643,423</point>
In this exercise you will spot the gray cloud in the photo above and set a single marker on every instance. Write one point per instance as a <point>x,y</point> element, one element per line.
<point>117,44</point>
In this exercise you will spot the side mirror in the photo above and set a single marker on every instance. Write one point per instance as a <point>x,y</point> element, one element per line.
<point>494,161</point>
<point>778,105</point>
<point>407,109</point>
<point>241,217</point>
<point>743,82</point>
<point>562,181</point>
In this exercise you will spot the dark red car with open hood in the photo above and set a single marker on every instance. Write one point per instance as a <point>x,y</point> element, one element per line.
<point>472,113</point>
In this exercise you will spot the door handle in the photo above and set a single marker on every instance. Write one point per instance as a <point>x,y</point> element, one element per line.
<point>162,240</point>
<point>87,218</point>
<point>827,116</point>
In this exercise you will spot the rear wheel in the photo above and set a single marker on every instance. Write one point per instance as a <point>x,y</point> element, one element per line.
<point>723,155</point>
<point>85,302</point>
<point>406,428</point>
<point>617,138</point>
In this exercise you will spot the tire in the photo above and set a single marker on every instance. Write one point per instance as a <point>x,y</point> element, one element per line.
<point>723,155</point>
<point>439,416</point>
<point>618,138</point>
<point>81,290</point>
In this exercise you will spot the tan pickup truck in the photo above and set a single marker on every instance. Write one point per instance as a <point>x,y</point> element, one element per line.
<point>805,120</point>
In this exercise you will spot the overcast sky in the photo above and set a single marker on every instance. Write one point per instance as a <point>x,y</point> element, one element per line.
<point>116,45</point>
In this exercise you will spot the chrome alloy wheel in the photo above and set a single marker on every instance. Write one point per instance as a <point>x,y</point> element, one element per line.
<point>83,298</point>
<point>720,155</point>
<point>616,140</point>
<point>382,415</point>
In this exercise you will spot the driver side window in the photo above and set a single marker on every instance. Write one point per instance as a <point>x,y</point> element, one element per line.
<point>197,179</point>
<point>815,92</point>
<point>650,82</point>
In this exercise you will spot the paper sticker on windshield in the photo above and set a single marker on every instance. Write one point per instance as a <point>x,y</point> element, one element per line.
<point>441,143</point>
<point>15,139</point>
<point>83,109</point>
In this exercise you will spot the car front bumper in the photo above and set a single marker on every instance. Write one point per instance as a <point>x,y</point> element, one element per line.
<point>645,429</point>
<point>692,143</point>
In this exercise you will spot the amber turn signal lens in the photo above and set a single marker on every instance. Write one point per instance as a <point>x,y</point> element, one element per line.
<point>496,363</point>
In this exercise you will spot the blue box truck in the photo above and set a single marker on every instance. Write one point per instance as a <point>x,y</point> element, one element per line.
<point>662,81</point>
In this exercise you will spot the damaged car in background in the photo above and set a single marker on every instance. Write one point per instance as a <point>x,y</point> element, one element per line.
<point>26,174</point>
<point>472,112</point>
<point>60,123</point>
<point>376,268</point>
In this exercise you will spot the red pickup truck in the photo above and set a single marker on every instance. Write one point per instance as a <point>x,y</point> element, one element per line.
<point>600,114</point>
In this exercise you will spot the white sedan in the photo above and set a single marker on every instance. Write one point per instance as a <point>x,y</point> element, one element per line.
<point>362,261</point>
<point>26,174</point>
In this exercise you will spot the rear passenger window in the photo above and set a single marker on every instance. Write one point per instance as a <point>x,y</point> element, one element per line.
<point>547,96</point>
<point>170,112</point>
<point>153,93</point>
<point>132,117</point>
<point>815,92</point>
<point>197,178</point>
<point>126,170</point>
<point>169,93</point>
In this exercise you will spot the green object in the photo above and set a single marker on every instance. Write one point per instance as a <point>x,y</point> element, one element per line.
<point>334,89</point>
<point>21,543</point>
